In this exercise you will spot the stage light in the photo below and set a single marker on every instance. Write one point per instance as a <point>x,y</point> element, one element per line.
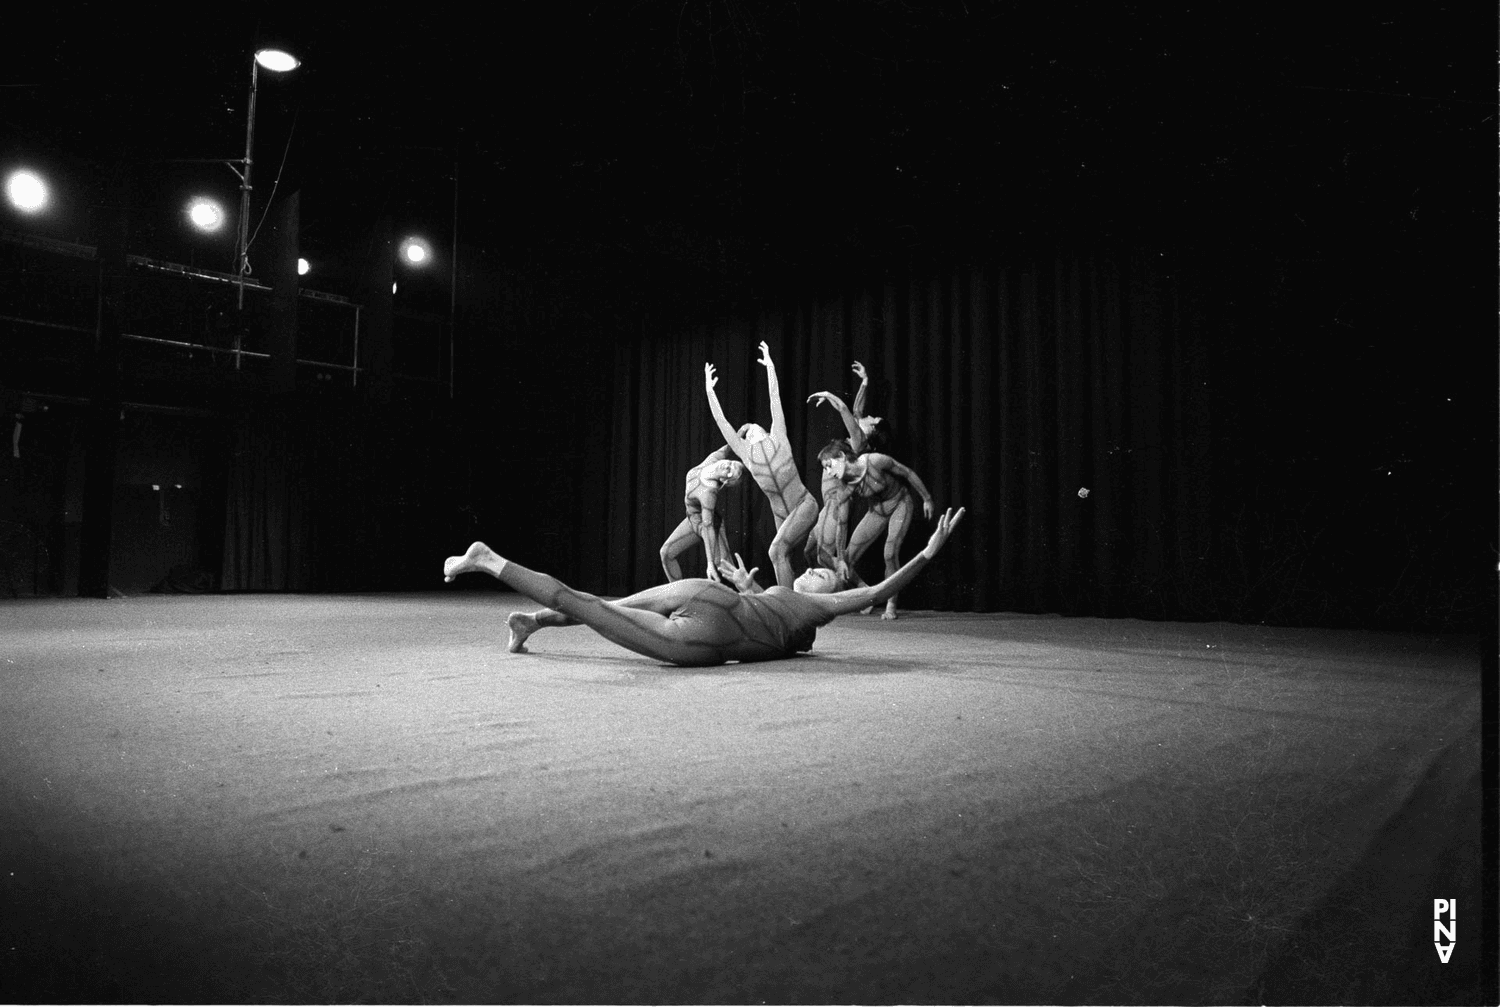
<point>277,60</point>
<point>206,214</point>
<point>26,191</point>
<point>415,252</point>
<point>303,267</point>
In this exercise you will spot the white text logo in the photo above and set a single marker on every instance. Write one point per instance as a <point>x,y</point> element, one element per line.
<point>1444,931</point>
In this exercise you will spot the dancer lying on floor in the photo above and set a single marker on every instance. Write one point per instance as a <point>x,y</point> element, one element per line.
<point>697,621</point>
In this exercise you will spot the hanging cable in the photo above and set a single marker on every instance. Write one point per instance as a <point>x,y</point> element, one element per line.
<point>263,213</point>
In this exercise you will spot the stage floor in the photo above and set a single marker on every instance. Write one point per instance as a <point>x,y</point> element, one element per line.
<point>365,798</point>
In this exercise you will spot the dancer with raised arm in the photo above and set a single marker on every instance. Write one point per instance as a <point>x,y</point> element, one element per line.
<point>695,622</point>
<point>704,522</point>
<point>865,432</point>
<point>888,486</point>
<point>768,457</point>
<point>827,545</point>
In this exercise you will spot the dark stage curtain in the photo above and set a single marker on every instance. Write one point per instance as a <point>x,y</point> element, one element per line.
<point>1008,388</point>
<point>333,494</point>
<point>266,519</point>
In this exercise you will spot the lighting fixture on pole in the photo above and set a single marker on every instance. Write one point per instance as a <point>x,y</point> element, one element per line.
<point>416,252</point>
<point>26,191</point>
<point>276,61</point>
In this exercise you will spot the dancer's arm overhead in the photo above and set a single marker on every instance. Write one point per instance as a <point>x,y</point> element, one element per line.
<point>851,424</point>
<point>731,436</point>
<point>778,416</point>
<point>861,397</point>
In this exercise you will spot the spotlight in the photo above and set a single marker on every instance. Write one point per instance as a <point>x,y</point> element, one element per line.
<point>277,60</point>
<point>415,252</point>
<point>206,214</point>
<point>303,267</point>
<point>26,191</point>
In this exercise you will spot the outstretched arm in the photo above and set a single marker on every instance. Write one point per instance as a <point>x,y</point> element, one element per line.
<point>850,423</point>
<point>858,598</point>
<point>778,418</point>
<point>730,434</point>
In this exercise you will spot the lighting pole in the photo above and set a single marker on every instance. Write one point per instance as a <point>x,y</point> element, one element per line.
<point>280,62</point>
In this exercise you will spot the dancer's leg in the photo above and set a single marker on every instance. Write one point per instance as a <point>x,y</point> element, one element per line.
<point>869,528</point>
<point>523,624</point>
<point>639,623</point>
<point>865,533</point>
<point>677,543</point>
<point>895,534</point>
<point>792,533</point>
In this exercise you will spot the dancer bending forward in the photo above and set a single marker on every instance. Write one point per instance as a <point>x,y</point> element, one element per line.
<point>695,622</point>
<point>704,521</point>
<point>889,487</point>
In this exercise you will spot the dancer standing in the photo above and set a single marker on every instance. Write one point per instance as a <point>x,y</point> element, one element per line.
<point>768,457</point>
<point>830,536</point>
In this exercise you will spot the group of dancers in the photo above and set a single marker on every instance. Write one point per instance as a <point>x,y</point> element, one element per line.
<point>726,616</point>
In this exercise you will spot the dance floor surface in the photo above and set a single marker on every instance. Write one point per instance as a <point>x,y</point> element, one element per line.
<point>365,798</point>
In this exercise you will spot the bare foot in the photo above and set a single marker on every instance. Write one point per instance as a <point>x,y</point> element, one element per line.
<point>890,610</point>
<point>478,558</point>
<point>522,625</point>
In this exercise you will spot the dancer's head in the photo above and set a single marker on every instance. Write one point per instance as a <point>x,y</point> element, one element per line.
<point>725,472</point>
<point>836,457</point>
<point>752,432</point>
<point>824,580</point>
<point>816,580</point>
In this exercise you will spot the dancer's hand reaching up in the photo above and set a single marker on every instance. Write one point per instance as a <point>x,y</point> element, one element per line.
<point>944,528</point>
<point>742,579</point>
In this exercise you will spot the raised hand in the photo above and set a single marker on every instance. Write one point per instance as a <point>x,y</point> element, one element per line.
<point>765,356</point>
<point>944,528</point>
<point>820,397</point>
<point>709,380</point>
<point>927,509</point>
<point>742,579</point>
<point>859,371</point>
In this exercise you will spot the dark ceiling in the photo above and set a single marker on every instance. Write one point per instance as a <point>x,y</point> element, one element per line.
<point>729,138</point>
